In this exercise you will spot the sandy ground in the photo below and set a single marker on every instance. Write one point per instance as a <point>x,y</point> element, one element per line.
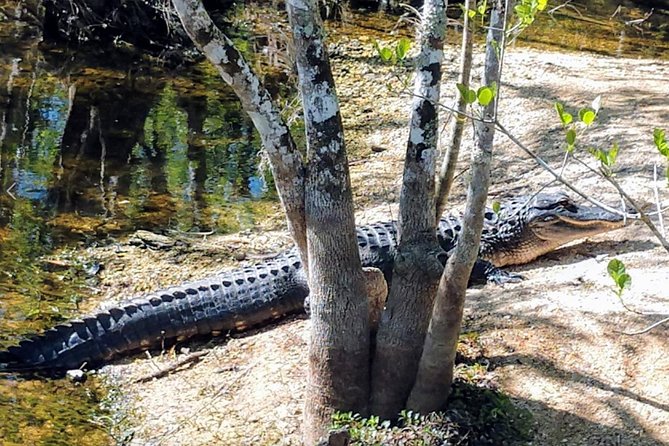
<point>554,341</point>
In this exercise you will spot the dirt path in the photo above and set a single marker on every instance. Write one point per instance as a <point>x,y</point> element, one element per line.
<point>553,341</point>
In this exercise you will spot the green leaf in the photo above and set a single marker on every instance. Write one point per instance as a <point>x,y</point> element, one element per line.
<point>493,87</point>
<point>565,117</point>
<point>541,4</point>
<point>615,268</point>
<point>612,154</point>
<point>466,93</point>
<point>485,95</point>
<point>471,13</point>
<point>482,7</point>
<point>571,137</point>
<point>462,88</point>
<point>606,157</point>
<point>496,206</point>
<point>402,48</point>
<point>559,108</point>
<point>586,116</point>
<point>598,154</point>
<point>386,54</point>
<point>661,142</point>
<point>623,281</point>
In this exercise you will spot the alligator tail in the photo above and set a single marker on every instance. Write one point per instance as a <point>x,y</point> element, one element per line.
<point>230,301</point>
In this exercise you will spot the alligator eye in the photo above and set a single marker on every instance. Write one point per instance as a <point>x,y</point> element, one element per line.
<point>568,204</point>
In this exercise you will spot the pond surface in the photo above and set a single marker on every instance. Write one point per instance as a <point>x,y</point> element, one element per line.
<point>94,148</point>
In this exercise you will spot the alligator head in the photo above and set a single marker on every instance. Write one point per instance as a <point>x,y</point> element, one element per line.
<point>526,228</point>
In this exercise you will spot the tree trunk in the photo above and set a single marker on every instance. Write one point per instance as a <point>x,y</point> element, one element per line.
<point>447,173</point>
<point>436,366</point>
<point>417,269</point>
<point>285,160</point>
<point>338,374</point>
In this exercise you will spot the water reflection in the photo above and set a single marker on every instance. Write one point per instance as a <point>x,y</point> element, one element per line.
<point>622,28</point>
<point>89,150</point>
<point>95,152</point>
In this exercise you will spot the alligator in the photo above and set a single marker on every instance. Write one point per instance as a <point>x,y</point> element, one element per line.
<point>518,232</point>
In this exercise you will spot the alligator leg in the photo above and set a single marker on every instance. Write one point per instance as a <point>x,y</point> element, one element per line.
<point>485,272</point>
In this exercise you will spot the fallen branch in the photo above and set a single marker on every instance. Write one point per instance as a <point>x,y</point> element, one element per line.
<point>641,20</point>
<point>647,329</point>
<point>166,371</point>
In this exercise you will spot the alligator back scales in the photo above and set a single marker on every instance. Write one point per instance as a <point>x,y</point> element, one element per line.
<point>245,297</point>
<point>229,301</point>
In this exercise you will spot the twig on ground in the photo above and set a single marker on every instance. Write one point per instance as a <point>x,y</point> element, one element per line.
<point>647,329</point>
<point>167,370</point>
<point>641,20</point>
<point>564,5</point>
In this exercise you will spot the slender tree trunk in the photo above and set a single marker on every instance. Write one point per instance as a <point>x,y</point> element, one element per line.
<point>417,269</point>
<point>338,375</point>
<point>447,173</point>
<point>436,366</point>
<point>285,160</point>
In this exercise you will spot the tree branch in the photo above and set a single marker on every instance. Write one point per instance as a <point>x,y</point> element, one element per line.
<point>285,160</point>
<point>416,269</point>
<point>447,173</point>
<point>338,360</point>
<point>435,372</point>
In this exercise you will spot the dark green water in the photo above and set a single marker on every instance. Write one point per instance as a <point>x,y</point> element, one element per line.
<point>93,148</point>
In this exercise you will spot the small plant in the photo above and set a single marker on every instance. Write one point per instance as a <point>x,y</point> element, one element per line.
<point>480,10</point>
<point>412,429</point>
<point>396,54</point>
<point>586,116</point>
<point>618,273</point>
<point>476,414</point>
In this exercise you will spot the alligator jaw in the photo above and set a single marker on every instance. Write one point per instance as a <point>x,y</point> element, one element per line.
<point>547,229</point>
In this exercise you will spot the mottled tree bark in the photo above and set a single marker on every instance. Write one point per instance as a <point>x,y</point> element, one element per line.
<point>416,269</point>
<point>285,160</point>
<point>436,366</point>
<point>318,202</point>
<point>338,369</point>
<point>447,172</point>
